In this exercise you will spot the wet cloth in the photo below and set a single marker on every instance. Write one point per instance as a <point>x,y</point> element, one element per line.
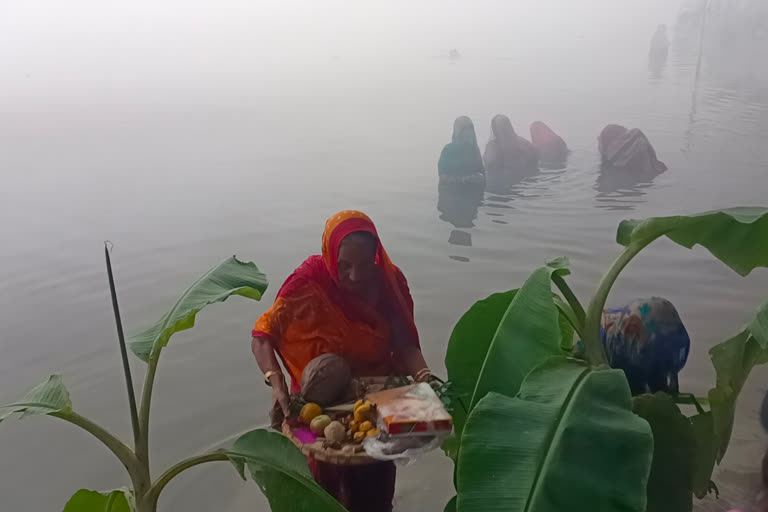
<point>507,153</point>
<point>628,149</point>
<point>646,339</point>
<point>312,315</point>
<point>461,157</point>
<point>551,147</point>
<point>361,488</point>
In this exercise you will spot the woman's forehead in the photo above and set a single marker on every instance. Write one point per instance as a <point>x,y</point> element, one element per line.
<point>358,242</point>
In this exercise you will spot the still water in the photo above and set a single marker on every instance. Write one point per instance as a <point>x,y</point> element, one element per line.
<point>185,134</point>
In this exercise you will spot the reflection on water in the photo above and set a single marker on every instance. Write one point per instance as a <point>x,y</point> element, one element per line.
<point>621,189</point>
<point>459,237</point>
<point>458,204</point>
<point>510,185</point>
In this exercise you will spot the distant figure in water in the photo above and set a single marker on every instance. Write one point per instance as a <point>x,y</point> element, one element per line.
<point>551,147</point>
<point>621,148</point>
<point>660,41</point>
<point>646,339</point>
<point>506,152</point>
<point>460,160</point>
<point>657,55</point>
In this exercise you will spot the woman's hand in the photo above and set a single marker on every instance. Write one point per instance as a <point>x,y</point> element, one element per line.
<point>265,357</point>
<point>280,401</point>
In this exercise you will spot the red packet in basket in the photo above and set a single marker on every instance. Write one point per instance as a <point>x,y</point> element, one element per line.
<point>411,410</point>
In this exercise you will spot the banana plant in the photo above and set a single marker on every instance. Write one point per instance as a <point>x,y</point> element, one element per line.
<point>544,431</point>
<point>278,467</point>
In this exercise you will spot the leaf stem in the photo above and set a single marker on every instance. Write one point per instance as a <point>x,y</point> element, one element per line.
<point>142,448</point>
<point>166,477</point>
<point>123,351</point>
<point>571,298</point>
<point>593,344</point>
<point>565,309</point>
<point>117,447</point>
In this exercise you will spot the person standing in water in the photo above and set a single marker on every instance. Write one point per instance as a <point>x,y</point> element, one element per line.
<point>460,160</point>
<point>621,148</point>
<point>551,147</point>
<point>507,154</point>
<point>351,301</point>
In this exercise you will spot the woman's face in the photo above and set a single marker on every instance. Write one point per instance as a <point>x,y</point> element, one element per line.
<point>357,263</point>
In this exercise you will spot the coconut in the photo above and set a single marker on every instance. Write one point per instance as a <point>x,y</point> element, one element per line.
<point>335,432</point>
<point>326,379</point>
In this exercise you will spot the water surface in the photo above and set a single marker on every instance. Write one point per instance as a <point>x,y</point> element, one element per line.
<point>187,134</point>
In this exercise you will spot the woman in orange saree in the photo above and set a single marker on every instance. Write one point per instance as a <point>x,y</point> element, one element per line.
<point>352,301</point>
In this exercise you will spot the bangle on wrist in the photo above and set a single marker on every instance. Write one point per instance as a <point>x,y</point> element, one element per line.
<point>422,375</point>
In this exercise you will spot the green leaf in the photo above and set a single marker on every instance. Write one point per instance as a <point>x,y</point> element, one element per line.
<point>46,398</point>
<point>487,322</point>
<point>281,472</point>
<point>231,277</point>
<point>451,505</point>
<point>706,452</point>
<point>451,445</point>
<point>569,439</point>
<point>527,335</point>
<point>566,326</point>
<point>119,500</point>
<point>561,264</point>
<point>471,338</point>
<point>674,452</point>
<point>467,348</point>
<point>736,236</point>
<point>758,327</point>
<point>733,361</point>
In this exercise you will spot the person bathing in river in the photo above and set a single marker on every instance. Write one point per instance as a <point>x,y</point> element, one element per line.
<point>506,153</point>
<point>460,160</point>
<point>354,302</point>
<point>621,148</point>
<point>551,147</point>
<point>646,339</point>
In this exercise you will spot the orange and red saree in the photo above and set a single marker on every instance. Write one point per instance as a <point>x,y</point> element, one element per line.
<point>312,315</point>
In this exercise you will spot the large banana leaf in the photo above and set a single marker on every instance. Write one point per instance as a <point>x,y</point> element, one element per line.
<point>471,338</point>
<point>733,361</point>
<point>120,500</point>
<point>706,453</point>
<point>45,398</point>
<point>281,472</point>
<point>484,333</point>
<point>568,441</point>
<point>674,453</point>
<point>231,277</point>
<point>736,236</point>
<point>528,334</point>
